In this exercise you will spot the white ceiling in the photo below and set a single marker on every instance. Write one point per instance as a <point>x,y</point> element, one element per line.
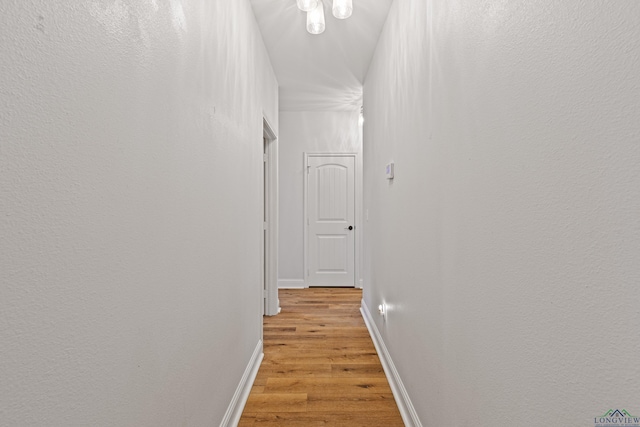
<point>325,71</point>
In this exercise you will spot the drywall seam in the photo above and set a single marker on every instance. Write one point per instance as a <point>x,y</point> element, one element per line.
<point>407,411</point>
<point>291,284</point>
<point>239,400</point>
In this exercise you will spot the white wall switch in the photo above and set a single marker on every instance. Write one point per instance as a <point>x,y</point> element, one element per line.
<point>389,170</point>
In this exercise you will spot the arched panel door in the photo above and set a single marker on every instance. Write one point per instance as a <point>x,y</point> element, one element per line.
<point>331,221</point>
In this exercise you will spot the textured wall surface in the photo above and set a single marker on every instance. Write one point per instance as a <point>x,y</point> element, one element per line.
<point>310,132</point>
<point>508,245</point>
<point>130,168</point>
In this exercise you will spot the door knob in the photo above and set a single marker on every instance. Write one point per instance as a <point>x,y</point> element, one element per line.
<point>349,227</point>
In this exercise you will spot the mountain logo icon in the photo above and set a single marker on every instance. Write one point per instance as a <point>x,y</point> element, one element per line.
<point>618,418</point>
<point>617,413</point>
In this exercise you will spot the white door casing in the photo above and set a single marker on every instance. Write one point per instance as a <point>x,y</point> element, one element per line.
<point>330,220</point>
<point>269,291</point>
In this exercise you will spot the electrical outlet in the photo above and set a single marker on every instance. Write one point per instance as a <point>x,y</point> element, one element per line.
<point>382,309</point>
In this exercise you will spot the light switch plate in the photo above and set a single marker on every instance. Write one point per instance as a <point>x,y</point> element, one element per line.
<point>389,170</point>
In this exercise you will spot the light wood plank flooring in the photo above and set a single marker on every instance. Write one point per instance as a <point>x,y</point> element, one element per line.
<point>320,367</point>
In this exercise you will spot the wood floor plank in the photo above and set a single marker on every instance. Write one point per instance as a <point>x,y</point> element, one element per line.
<point>276,402</point>
<point>318,347</point>
<point>306,370</point>
<point>247,420</point>
<point>375,402</point>
<point>335,419</point>
<point>325,358</point>
<point>320,366</point>
<point>367,370</point>
<point>335,386</point>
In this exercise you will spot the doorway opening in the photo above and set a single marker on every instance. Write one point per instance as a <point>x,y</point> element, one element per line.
<point>269,258</point>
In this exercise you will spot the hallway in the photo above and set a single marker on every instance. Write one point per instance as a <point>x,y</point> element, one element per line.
<point>320,366</point>
<point>496,214</point>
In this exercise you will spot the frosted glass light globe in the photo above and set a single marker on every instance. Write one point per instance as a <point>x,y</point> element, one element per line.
<point>342,9</point>
<point>315,19</point>
<point>307,5</point>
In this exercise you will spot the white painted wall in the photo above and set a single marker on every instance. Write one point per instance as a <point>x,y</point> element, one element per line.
<point>130,209</point>
<point>508,245</point>
<point>311,132</point>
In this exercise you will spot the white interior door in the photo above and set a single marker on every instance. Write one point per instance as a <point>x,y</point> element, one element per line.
<point>331,220</point>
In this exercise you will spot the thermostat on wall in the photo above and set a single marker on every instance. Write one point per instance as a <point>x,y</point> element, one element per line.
<point>389,170</point>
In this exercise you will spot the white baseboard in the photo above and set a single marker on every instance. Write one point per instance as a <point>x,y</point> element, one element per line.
<point>239,400</point>
<point>407,411</point>
<point>291,284</point>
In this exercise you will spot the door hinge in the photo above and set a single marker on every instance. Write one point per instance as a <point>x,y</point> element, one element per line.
<point>265,157</point>
<point>265,225</point>
<point>264,294</point>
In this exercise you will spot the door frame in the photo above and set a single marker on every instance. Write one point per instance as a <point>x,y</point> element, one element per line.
<point>271,305</point>
<point>357,282</point>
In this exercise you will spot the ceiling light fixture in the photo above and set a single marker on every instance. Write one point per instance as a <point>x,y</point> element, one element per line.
<point>315,19</point>
<point>307,5</point>
<point>342,8</point>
